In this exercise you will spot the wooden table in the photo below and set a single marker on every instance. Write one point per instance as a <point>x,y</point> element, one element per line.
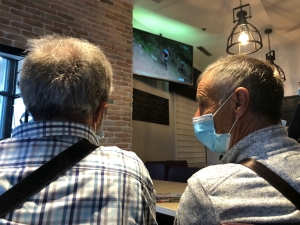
<point>161,186</point>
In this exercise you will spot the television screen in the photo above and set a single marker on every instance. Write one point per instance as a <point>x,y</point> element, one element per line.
<point>161,58</point>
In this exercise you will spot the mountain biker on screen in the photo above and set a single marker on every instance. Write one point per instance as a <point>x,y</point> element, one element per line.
<point>166,57</point>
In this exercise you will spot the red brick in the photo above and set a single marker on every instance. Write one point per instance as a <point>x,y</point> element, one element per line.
<point>120,123</point>
<point>41,2</point>
<point>73,24</point>
<point>59,8</point>
<point>84,22</point>
<point>126,23</point>
<point>112,51</point>
<point>30,34</point>
<point>11,16</point>
<point>125,55</point>
<point>66,16</point>
<point>93,20</point>
<point>26,3</point>
<point>124,31</point>
<point>114,128</point>
<point>76,14</point>
<point>5,41</point>
<point>16,37</point>
<point>80,32</point>
<point>55,18</point>
<point>12,4</point>
<point>107,25</point>
<point>126,89</point>
<point>122,134</point>
<point>111,17</point>
<point>33,22</point>
<point>126,129</point>
<point>61,26</point>
<point>92,5</point>
<point>54,29</point>
<point>80,5</point>
<point>71,6</point>
<point>95,13</point>
<point>41,31</point>
<point>4,8</point>
<point>104,44</point>
<point>9,29</point>
<point>113,140</point>
<point>21,26</point>
<point>113,117</point>
<point>42,19</point>
<point>126,99</point>
<point>46,9</point>
<point>18,44</point>
<point>115,97</point>
<point>108,11</point>
<point>127,69</point>
<point>96,36</point>
<point>123,64</point>
<point>34,11</point>
<point>4,21</point>
<point>129,139</point>
<point>128,6</point>
<point>126,118</point>
<point>121,113</point>
<point>120,16</point>
<point>1,34</point>
<point>118,48</point>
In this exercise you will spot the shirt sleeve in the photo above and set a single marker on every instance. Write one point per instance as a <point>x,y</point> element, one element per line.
<point>195,206</point>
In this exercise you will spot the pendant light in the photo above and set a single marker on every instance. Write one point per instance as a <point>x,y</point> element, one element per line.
<point>270,56</point>
<point>244,37</point>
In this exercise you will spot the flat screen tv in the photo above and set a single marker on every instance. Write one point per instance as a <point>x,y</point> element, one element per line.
<point>161,58</point>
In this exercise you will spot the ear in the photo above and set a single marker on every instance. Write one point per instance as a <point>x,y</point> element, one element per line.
<point>242,101</point>
<point>98,113</point>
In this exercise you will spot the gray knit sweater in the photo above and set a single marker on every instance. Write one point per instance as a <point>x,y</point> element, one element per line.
<point>232,192</point>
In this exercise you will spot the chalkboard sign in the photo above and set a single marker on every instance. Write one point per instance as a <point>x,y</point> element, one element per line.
<point>289,107</point>
<point>150,108</point>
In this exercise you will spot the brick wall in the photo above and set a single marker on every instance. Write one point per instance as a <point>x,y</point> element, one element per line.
<point>107,26</point>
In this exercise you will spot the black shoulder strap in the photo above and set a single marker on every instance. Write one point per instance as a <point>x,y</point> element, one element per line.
<point>41,177</point>
<point>276,181</point>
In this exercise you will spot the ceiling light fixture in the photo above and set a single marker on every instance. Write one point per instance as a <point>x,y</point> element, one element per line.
<point>244,37</point>
<point>270,56</point>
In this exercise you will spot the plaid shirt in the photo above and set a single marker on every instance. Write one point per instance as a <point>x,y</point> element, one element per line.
<point>109,186</point>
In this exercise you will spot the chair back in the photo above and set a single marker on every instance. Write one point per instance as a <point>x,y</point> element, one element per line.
<point>157,170</point>
<point>181,173</point>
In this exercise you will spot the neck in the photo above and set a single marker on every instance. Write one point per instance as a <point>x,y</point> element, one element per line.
<point>247,125</point>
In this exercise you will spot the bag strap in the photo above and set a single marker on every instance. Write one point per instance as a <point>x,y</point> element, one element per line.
<point>42,176</point>
<point>272,178</point>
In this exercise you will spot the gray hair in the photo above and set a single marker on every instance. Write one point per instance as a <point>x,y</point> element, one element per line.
<point>258,77</point>
<point>64,77</point>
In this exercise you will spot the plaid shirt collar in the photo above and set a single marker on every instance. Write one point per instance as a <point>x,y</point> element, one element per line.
<point>41,129</point>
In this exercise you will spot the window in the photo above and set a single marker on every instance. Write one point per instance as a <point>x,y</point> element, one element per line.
<point>11,104</point>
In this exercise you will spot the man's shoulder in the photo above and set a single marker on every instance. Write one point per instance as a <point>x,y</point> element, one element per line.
<point>211,177</point>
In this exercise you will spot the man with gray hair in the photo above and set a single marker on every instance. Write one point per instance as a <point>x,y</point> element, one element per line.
<point>239,111</point>
<point>65,85</point>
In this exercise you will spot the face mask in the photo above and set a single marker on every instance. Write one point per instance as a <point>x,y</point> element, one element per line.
<point>205,132</point>
<point>299,91</point>
<point>99,133</point>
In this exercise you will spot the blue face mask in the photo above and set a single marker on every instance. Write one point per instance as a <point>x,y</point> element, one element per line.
<point>299,91</point>
<point>205,132</point>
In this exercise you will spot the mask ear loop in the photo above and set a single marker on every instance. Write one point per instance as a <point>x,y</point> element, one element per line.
<point>222,105</point>
<point>233,125</point>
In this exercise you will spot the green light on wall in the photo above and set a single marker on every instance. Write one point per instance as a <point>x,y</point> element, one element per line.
<point>151,22</point>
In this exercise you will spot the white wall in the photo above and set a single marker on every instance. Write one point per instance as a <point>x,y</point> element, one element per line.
<point>288,58</point>
<point>151,141</point>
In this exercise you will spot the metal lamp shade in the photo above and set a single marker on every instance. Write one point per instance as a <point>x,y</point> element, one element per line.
<point>235,44</point>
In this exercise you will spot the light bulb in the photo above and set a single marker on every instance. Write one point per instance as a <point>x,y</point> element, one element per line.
<point>243,38</point>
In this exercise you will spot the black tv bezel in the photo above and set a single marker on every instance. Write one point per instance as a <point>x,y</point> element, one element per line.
<point>167,80</point>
